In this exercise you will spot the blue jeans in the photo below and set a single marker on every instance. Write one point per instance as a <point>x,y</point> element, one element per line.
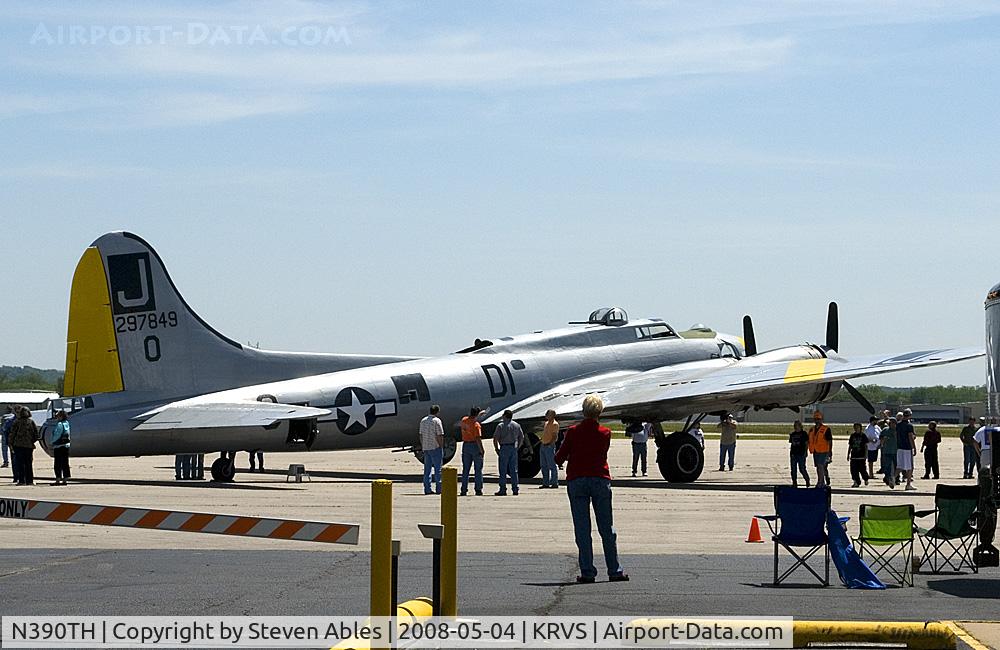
<point>971,463</point>
<point>508,467</point>
<point>3,447</point>
<point>584,492</point>
<point>799,465</point>
<point>432,462</point>
<point>550,473</point>
<point>182,466</point>
<point>727,450</point>
<point>470,457</point>
<point>639,452</point>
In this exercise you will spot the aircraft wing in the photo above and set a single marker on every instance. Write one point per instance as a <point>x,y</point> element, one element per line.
<point>723,384</point>
<point>233,414</point>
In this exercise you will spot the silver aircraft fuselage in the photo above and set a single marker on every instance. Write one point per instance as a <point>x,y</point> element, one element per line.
<point>381,406</point>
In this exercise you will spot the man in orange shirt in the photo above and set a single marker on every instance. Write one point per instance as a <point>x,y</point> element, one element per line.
<point>821,448</point>
<point>472,450</point>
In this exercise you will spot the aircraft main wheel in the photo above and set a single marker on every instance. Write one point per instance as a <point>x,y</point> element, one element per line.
<point>680,457</point>
<point>224,470</point>
<point>450,448</point>
<point>529,460</point>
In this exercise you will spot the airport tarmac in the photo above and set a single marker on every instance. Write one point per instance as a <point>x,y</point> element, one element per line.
<point>652,516</point>
<point>683,544</point>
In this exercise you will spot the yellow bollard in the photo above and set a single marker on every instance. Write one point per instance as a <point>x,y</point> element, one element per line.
<point>449,543</point>
<point>381,554</point>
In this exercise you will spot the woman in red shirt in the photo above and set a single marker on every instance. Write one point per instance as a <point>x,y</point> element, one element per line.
<point>588,483</point>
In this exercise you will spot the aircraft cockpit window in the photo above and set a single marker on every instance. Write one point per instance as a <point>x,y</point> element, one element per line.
<point>654,332</point>
<point>728,350</point>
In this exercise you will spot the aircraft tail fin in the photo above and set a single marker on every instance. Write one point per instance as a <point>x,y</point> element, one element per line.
<point>131,331</point>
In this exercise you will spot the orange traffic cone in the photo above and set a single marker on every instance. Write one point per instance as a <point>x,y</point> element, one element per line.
<point>754,535</point>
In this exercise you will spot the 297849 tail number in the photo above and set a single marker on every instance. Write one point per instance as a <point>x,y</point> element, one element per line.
<point>151,321</point>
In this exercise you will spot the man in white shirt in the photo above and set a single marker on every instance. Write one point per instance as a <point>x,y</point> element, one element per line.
<point>984,443</point>
<point>872,432</point>
<point>432,445</point>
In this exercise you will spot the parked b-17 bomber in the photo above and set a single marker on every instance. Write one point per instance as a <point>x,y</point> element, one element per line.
<point>146,375</point>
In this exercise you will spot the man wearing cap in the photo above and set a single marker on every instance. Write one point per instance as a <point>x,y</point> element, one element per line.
<point>59,442</point>
<point>906,443</point>
<point>821,448</point>
<point>727,441</point>
<point>970,463</point>
<point>507,440</point>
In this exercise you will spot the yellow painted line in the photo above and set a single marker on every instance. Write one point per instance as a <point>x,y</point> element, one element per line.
<point>406,614</point>
<point>966,638</point>
<point>805,370</point>
<point>930,635</point>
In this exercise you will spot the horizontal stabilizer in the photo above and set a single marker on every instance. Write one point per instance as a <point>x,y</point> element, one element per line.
<point>234,414</point>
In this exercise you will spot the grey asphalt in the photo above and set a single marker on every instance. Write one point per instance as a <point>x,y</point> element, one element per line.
<point>237,582</point>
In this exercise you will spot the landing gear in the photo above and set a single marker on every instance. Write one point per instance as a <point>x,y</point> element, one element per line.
<point>529,460</point>
<point>450,448</point>
<point>679,457</point>
<point>224,469</point>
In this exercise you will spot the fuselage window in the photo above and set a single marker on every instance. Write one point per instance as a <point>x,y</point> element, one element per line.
<point>517,364</point>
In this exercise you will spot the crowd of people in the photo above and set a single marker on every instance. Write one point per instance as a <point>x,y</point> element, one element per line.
<point>19,436</point>
<point>892,441</point>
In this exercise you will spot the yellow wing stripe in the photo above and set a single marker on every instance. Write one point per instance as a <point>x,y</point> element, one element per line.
<point>92,364</point>
<point>805,370</point>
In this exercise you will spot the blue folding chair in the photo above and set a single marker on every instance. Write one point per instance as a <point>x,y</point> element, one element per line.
<point>799,523</point>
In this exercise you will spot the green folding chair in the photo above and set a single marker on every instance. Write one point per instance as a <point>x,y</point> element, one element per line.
<point>949,542</point>
<point>887,534</point>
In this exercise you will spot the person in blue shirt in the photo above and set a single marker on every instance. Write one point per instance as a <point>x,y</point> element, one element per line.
<point>59,441</point>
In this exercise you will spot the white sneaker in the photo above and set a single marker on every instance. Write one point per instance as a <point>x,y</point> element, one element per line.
<point>910,487</point>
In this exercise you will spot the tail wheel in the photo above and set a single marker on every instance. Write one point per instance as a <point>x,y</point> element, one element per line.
<point>224,470</point>
<point>680,457</point>
<point>529,460</point>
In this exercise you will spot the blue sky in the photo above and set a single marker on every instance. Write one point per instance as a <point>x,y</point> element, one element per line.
<point>431,173</point>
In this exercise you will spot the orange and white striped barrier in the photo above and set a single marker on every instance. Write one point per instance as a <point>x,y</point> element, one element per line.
<point>192,522</point>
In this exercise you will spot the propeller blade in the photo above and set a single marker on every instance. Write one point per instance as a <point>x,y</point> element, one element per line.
<point>749,342</point>
<point>832,328</point>
<point>861,399</point>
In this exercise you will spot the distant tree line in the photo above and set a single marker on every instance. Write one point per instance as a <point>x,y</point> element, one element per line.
<point>28,378</point>
<point>949,394</point>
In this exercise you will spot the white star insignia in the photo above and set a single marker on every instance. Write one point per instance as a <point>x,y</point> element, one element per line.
<point>356,412</point>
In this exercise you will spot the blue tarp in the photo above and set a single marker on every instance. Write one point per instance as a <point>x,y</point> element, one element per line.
<point>854,573</point>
